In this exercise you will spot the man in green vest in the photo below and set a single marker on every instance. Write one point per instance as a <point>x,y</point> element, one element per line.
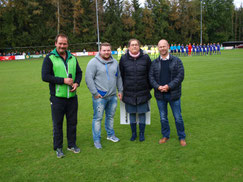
<point>62,71</point>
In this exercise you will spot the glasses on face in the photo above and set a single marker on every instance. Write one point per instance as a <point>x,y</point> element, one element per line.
<point>134,45</point>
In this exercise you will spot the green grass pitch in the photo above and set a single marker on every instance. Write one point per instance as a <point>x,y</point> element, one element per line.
<point>212,109</point>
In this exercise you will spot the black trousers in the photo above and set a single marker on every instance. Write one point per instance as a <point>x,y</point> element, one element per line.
<point>59,108</point>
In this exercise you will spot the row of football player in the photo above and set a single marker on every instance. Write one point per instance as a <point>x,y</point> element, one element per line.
<point>198,49</point>
<point>180,49</point>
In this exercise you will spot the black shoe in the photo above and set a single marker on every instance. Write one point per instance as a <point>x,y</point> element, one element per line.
<point>134,131</point>
<point>134,136</point>
<point>141,132</point>
<point>141,137</point>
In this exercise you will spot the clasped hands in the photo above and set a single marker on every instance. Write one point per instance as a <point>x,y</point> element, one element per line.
<point>164,88</point>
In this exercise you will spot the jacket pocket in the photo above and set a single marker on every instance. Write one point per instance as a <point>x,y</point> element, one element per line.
<point>102,93</point>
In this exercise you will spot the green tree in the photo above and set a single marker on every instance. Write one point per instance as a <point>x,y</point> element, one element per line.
<point>128,23</point>
<point>112,21</point>
<point>217,17</point>
<point>84,24</point>
<point>137,18</point>
<point>32,23</point>
<point>194,16</point>
<point>237,24</point>
<point>160,11</point>
<point>24,23</point>
<point>184,21</point>
<point>7,24</point>
<point>148,26</point>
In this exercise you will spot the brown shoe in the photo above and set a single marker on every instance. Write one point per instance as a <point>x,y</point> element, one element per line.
<point>183,143</point>
<point>163,140</point>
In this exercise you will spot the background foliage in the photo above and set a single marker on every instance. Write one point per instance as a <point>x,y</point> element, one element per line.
<point>31,23</point>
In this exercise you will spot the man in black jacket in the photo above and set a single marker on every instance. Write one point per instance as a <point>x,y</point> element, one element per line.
<point>61,70</point>
<point>166,75</point>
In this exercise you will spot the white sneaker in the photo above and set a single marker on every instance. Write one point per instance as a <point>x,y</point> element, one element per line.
<point>75,149</point>
<point>113,138</point>
<point>97,145</point>
<point>59,153</point>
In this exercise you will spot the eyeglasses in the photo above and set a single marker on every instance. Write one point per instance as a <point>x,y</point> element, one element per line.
<point>134,45</point>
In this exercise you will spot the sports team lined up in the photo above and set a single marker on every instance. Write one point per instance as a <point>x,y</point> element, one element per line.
<point>179,50</point>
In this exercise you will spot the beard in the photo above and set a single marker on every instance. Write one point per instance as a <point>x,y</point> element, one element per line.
<point>61,50</point>
<point>106,56</point>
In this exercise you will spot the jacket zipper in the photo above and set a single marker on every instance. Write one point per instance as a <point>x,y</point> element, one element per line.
<point>66,69</point>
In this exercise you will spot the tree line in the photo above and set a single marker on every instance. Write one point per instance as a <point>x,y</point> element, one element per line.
<point>35,23</point>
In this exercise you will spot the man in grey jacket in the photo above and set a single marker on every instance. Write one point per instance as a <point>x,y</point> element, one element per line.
<point>102,78</point>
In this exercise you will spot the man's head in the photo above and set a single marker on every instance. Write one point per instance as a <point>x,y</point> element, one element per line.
<point>105,50</point>
<point>134,46</point>
<point>163,47</point>
<point>61,43</point>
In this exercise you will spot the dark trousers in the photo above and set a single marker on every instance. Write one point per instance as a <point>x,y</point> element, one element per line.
<point>59,108</point>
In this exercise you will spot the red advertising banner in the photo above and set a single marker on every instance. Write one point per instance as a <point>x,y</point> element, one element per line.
<point>74,53</point>
<point>92,53</point>
<point>7,58</point>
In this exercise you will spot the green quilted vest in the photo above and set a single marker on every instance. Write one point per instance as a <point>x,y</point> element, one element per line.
<point>60,70</point>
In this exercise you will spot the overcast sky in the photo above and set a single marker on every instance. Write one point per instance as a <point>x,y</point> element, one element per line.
<point>236,2</point>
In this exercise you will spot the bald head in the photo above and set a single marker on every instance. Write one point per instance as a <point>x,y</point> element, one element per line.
<point>163,47</point>
<point>163,41</point>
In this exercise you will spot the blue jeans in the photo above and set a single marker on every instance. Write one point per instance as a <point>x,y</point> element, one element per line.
<point>99,106</point>
<point>176,110</point>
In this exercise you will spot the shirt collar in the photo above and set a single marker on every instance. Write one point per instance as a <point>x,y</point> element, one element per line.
<point>167,58</point>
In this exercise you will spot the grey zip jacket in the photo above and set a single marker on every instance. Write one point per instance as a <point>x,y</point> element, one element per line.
<point>103,77</point>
